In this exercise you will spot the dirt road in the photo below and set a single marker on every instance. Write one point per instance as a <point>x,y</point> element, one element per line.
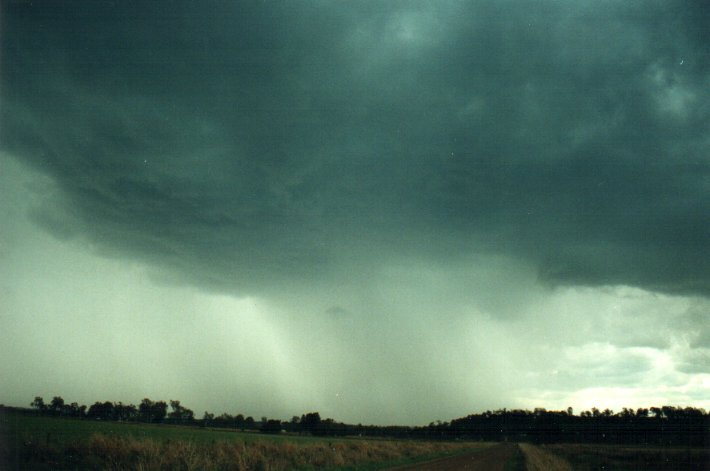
<point>489,459</point>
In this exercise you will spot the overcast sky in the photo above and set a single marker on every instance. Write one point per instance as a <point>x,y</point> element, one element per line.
<point>384,211</point>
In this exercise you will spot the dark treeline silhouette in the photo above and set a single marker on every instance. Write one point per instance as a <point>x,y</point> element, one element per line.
<point>147,411</point>
<point>667,425</point>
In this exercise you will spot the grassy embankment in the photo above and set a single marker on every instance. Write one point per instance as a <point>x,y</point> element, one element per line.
<point>28,442</point>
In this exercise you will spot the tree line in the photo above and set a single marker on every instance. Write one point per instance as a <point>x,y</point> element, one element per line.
<point>157,412</point>
<point>666,425</point>
<point>147,411</point>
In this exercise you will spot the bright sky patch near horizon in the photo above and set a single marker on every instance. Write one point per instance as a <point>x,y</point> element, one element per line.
<point>387,212</point>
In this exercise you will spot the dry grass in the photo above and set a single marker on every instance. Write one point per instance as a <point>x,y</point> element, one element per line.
<point>537,459</point>
<point>123,453</point>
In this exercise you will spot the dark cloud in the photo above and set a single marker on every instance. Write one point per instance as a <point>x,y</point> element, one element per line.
<point>255,143</point>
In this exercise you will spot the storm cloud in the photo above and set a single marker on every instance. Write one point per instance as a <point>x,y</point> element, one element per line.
<point>378,163</point>
<point>263,139</point>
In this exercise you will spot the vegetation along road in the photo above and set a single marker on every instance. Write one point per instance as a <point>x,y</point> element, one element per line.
<point>503,457</point>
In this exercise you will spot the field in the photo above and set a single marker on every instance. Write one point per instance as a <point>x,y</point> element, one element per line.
<point>46,443</point>
<point>628,458</point>
<point>29,442</point>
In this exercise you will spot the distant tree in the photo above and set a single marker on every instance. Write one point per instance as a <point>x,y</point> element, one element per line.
<point>145,410</point>
<point>310,421</point>
<point>101,411</point>
<point>56,405</point>
<point>180,414</point>
<point>151,412</point>
<point>295,424</point>
<point>176,410</point>
<point>207,419</point>
<point>249,423</point>
<point>657,412</point>
<point>125,411</point>
<point>326,427</point>
<point>692,412</point>
<point>160,410</point>
<point>118,411</point>
<point>73,410</point>
<point>225,420</point>
<point>39,404</point>
<point>239,421</point>
<point>70,410</point>
<point>270,426</point>
<point>131,412</point>
<point>669,412</point>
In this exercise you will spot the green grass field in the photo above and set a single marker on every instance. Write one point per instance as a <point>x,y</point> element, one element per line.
<point>31,442</point>
<point>63,431</point>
